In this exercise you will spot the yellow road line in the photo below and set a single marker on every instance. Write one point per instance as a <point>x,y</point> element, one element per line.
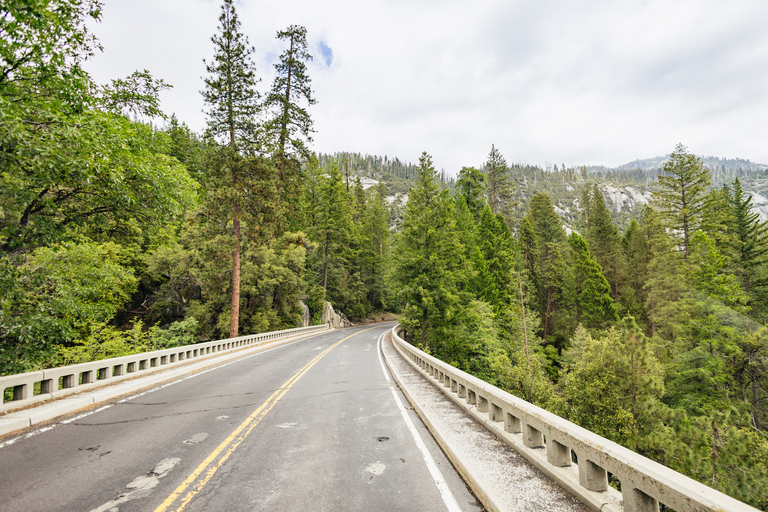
<point>231,443</point>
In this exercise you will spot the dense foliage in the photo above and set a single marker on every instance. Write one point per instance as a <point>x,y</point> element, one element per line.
<point>645,326</point>
<point>653,338</point>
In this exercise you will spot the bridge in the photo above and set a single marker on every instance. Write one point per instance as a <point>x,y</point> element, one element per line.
<point>308,419</point>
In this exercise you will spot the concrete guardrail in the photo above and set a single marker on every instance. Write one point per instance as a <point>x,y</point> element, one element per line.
<point>32,387</point>
<point>550,443</point>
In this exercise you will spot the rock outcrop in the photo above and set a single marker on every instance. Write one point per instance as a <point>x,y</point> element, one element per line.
<point>306,318</point>
<point>335,317</point>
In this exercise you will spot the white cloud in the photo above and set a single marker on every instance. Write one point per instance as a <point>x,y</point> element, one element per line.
<point>575,82</point>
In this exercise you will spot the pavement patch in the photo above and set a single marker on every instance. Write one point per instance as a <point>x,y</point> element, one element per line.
<point>197,438</point>
<point>141,486</point>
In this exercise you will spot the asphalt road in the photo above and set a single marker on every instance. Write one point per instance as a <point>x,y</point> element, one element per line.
<point>312,425</point>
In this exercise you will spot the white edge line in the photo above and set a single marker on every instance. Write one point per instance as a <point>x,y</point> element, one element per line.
<point>442,486</point>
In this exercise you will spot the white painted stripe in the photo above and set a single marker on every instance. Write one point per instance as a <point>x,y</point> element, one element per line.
<point>445,492</point>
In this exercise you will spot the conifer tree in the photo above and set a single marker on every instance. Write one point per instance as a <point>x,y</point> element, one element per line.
<point>290,127</point>
<point>749,237</point>
<point>594,306</point>
<point>470,188</point>
<point>550,237</point>
<point>333,228</point>
<point>498,182</point>
<point>684,183</point>
<point>232,108</point>
<point>636,256</point>
<point>375,249</point>
<point>426,258</point>
<point>604,241</point>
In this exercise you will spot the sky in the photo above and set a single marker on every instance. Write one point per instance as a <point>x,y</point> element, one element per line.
<point>547,82</point>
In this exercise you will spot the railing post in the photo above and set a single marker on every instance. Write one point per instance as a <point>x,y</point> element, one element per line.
<point>591,476</point>
<point>636,500</point>
<point>533,437</point>
<point>558,454</point>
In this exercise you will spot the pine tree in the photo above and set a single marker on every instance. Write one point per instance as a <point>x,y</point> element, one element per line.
<point>470,188</point>
<point>499,187</point>
<point>333,217</point>
<point>550,236</point>
<point>290,127</point>
<point>750,240</point>
<point>375,249</point>
<point>426,258</point>
<point>683,187</point>
<point>233,106</point>
<point>594,306</point>
<point>605,242</point>
<point>232,100</point>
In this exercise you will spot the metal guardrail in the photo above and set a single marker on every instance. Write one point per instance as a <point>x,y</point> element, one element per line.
<point>32,387</point>
<point>548,442</point>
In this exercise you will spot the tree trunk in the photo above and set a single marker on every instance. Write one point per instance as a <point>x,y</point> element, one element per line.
<point>235,318</point>
<point>546,317</point>
<point>325,266</point>
<point>525,329</point>
<point>756,405</point>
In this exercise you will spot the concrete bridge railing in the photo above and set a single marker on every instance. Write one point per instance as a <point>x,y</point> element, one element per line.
<point>32,387</point>
<point>550,443</point>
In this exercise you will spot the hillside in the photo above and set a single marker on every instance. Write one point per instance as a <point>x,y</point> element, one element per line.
<point>627,188</point>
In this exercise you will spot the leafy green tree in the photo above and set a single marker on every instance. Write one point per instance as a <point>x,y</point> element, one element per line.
<point>47,191</point>
<point>683,186</point>
<point>233,104</point>
<point>613,384</point>
<point>54,296</point>
<point>70,159</point>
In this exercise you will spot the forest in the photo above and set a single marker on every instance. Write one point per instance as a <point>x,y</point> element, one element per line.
<point>117,236</point>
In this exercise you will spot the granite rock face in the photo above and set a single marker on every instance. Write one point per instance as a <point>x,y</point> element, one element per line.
<point>334,317</point>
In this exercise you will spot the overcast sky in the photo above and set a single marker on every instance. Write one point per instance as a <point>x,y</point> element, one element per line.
<point>590,82</point>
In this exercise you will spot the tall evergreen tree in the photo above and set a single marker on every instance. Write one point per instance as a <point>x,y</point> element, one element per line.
<point>605,242</point>
<point>749,237</point>
<point>550,235</point>
<point>426,258</point>
<point>594,306</point>
<point>290,127</point>
<point>233,105</point>
<point>683,183</point>
<point>499,188</point>
<point>470,188</point>
<point>333,214</point>
<point>375,249</point>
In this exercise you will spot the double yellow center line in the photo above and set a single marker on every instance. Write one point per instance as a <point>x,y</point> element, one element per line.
<point>207,469</point>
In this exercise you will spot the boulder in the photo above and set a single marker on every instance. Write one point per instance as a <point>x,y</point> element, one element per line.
<point>334,317</point>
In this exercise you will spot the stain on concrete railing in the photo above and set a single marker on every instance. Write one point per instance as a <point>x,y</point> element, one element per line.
<point>579,460</point>
<point>33,387</point>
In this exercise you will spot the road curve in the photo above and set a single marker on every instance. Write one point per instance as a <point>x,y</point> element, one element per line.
<point>311,425</point>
